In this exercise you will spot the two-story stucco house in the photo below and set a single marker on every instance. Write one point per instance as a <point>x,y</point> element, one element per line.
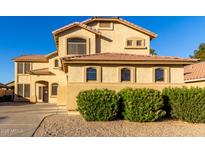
<point>97,53</point>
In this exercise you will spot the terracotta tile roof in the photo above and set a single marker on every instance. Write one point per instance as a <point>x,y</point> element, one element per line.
<point>43,71</point>
<point>126,57</point>
<point>74,25</point>
<point>123,21</point>
<point>31,58</point>
<point>194,71</point>
<point>93,30</point>
<point>55,53</point>
<point>69,26</point>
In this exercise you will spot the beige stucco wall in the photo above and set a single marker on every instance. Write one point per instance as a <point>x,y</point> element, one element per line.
<point>200,84</point>
<point>58,77</point>
<point>23,78</point>
<point>34,87</point>
<point>39,65</point>
<point>73,90</point>
<point>75,74</point>
<point>114,40</point>
<point>109,74</point>
<point>177,74</point>
<point>144,75</point>
<point>141,77</point>
<point>139,73</point>
<point>111,40</point>
<point>108,77</point>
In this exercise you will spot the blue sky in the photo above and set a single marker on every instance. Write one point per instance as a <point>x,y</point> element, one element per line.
<point>177,36</point>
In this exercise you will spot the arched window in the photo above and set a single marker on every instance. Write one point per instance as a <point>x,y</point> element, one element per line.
<point>76,46</point>
<point>159,74</point>
<point>125,74</point>
<point>91,74</point>
<point>54,89</point>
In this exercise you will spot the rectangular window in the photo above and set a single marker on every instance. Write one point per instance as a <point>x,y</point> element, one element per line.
<point>56,63</point>
<point>26,90</point>
<point>105,24</point>
<point>54,89</point>
<point>76,48</point>
<point>20,68</point>
<point>20,90</point>
<point>91,74</point>
<point>129,42</point>
<point>27,68</point>
<point>135,43</point>
<point>159,75</point>
<point>139,43</point>
<point>40,93</point>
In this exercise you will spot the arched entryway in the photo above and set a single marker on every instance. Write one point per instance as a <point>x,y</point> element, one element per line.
<point>42,91</point>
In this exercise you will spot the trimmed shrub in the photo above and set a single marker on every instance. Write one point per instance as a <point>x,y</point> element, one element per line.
<point>186,103</point>
<point>142,104</point>
<point>98,104</point>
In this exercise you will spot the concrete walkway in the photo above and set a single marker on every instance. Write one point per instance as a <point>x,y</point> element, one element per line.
<point>21,120</point>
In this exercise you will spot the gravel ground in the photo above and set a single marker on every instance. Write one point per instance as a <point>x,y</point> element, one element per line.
<point>75,125</point>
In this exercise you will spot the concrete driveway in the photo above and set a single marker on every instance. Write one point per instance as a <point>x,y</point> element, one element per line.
<point>21,119</point>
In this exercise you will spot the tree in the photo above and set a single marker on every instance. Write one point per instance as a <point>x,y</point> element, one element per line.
<point>200,52</point>
<point>153,52</point>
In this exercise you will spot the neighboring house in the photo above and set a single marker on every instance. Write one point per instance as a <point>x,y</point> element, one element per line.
<point>10,85</point>
<point>5,91</point>
<point>97,53</point>
<point>194,75</point>
<point>3,86</point>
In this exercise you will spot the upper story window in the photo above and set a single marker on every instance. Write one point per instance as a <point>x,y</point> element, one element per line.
<point>159,75</point>
<point>27,68</point>
<point>135,43</point>
<point>76,46</point>
<point>105,24</point>
<point>139,43</point>
<point>23,68</point>
<point>125,74</point>
<point>91,74</point>
<point>20,68</point>
<point>56,63</point>
<point>129,43</point>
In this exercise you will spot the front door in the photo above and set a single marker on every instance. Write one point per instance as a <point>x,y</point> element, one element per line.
<point>45,94</point>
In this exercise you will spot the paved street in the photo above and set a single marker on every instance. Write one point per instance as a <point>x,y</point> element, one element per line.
<point>20,119</point>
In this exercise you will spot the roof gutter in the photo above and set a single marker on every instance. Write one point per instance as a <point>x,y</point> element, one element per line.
<point>126,62</point>
<point>194,80</point>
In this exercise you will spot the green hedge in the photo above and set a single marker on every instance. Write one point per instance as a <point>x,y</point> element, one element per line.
<point>186,103</point>
<point>98,105</point>
<point>142,104</point>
